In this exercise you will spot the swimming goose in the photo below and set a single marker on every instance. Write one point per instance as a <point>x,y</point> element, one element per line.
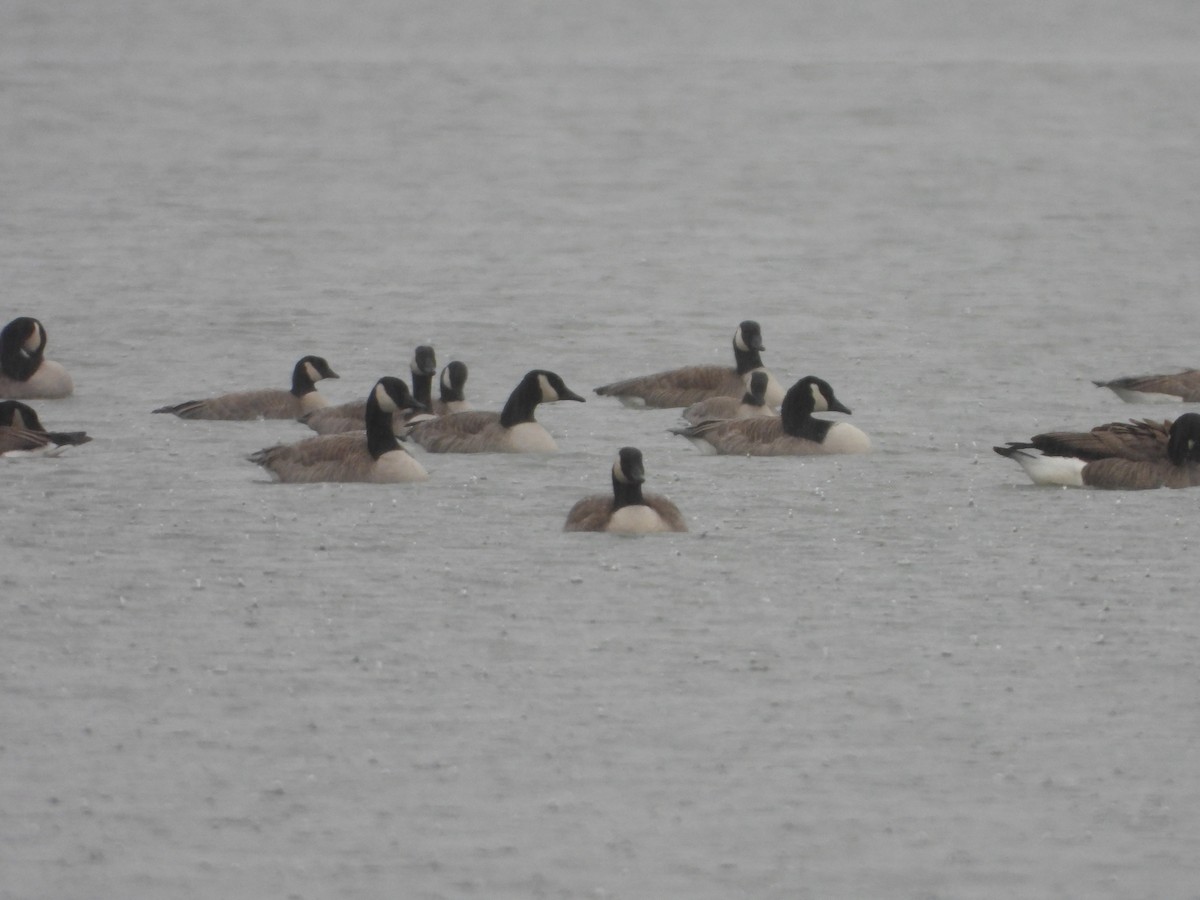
<point>1178,467</point>
<point>627,510</point>
<point>752,403</point>
<point>1178,387</point>
<point>22,433</point>
<point>512,431</point>
<point>25,373</point>
<point>374,456</point>
<point>452,400</point>
<point>683,387</point>
<point>349,416</point>
<point>794,432</point>
<point>264,404</point>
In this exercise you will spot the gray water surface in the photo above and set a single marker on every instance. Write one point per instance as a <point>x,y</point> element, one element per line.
<point>910,674</point>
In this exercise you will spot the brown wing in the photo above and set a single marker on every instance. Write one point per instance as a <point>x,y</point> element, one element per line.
<point>337,419</point>
<point>669,511</point>
<point>1142,439</point>
<point>455,432</point>
<point>241,406</point>
<point>12,438</point>
<point>679,387</point>
<point>1184,384</point>
<point>590,514</point>
<point>760,436</point>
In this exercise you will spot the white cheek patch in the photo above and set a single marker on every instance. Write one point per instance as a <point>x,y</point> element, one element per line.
<point>619,473</point>
<point>819,402</point>
<point>739,341</point>
<point>311,370</point>
<point>34,340</point>
<point>384,399</point>
<point>549,394</point>
<point>446,383</point>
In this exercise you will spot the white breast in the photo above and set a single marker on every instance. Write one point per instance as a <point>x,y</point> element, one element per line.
<point>530,437</point>
<point>845,438</point>
<point>636,520</point>
<point>398,465</point>
<point>50,382</point>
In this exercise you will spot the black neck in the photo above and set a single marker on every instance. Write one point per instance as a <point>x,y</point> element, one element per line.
<point>521,403</point>
<point>797,420</point>
<point>747,360</point>
<point>626,493</point>
<point>301,383</point>
<point>450,394</point>
<point>423,388</point>
<point>381,436</point>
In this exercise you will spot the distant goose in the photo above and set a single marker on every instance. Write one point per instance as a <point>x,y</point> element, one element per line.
<point>22,433</point>
<point>752,403</point>
<point>627,510</point>
<point>263,404</point>
<point>452,399</point>
<point>25,373</point>
<point>1179,387</point>
<point>373,456</point>
<point>683,387</point>
<point>794,432</point>
<point>1178,467</point>
<point>349,416</point>
<point>512,431</point>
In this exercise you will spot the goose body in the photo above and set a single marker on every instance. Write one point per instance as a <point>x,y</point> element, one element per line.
<point>263,404</point>
<point>373,455</point>
<point>752,403</point>
<point>343,417</point>
<point>627,510</point>
<point>1176,466</point>
<point>514,430</point>
<point>1177,387</point>
<point>450,386</point>
<point>22,433</point>
<point>25,373</point>
<point>691,384</point>
<point>793,433</point>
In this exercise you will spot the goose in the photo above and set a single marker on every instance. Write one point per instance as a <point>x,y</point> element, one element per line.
<point>1178,467</point>
<point>752,403</point>
<point>514,430</point>
<point>627,510</point>
<point>372,456</point>
<point>349,416</point>
<point>22,433</point>
<point>683,387</point>
<point>451,399</point>
<point>1177,387</point>
<point>794,432</point>
<point>263,404</point>
<point>25,373</point>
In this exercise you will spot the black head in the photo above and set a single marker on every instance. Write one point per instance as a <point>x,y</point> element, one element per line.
<point>391,394</point>
<point>22,344</point>
<point>748,336</point>
<point>314,368</point>
<point>1183,443</point>
<point>550,386</point>
<point>15,414</point>
<point>807,395</point>
<point>454,376</point>
<point>629,468</point>
<point>424,361</point>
